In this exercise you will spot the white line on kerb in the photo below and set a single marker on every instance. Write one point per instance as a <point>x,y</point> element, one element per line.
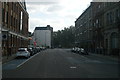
<point>27,60</point>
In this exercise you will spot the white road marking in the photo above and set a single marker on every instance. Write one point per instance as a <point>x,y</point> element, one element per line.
<point>73,67</point>
<point>27,60</point>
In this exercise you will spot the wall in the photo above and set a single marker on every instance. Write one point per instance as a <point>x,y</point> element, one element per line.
<point>0,31</point>
<point>43,37</point>
<point>0,40</point>
<point>11,23</point>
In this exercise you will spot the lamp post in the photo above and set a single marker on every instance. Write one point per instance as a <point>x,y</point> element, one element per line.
<point>45,38</point>
<point>0,31</point>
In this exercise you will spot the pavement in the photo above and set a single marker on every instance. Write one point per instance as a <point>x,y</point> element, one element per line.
<point>115,58</point>
<point>5,59</point>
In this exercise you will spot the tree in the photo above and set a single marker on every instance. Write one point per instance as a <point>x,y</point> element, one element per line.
<point>65,37</point>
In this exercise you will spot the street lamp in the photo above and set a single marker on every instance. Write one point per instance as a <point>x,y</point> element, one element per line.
<point>45,38</point>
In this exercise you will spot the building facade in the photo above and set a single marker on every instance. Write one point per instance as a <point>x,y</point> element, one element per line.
<point>83,29</point>
<point>0,31</point>
<point>43,36</point>
<point>112,28</point>
<point>98,26</point>
<point>14,27</point>
<point>102,28</point>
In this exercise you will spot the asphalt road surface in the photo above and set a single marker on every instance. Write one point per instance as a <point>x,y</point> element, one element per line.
<point>61,63</point>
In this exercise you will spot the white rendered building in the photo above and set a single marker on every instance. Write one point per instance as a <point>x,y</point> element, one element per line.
<point>43,36</point>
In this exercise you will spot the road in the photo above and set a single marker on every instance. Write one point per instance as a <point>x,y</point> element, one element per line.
<point>61,63</point>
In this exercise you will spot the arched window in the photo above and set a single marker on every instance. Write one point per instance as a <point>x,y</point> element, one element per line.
<point>114,40</point>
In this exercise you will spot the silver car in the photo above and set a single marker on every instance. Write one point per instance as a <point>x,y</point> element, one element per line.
<point>22,52</point>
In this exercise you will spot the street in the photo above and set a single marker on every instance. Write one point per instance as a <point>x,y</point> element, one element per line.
<point>61,63</point>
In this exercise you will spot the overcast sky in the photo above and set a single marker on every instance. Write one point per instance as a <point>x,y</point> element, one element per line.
<point>56,13</point>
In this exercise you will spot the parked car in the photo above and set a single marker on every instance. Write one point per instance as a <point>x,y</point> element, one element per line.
<point>38,49</point>
<point>75,49</point>
<point>34,50</point>
<point>22,52</point>
<point>43,48</point>
<point>31,51</point>
<point>83,51</point>
<point>78,50</point>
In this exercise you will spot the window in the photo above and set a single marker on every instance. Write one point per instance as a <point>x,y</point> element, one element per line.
<point>99,6</point>
<point>12,6</point>
<point>94,24</point>
<point>6,7</point>
<point>14,22</point>
<point>97,21</point>
<point>16,8</point>
<point>21,20</point>
<point>3,15</point>
<point>110,17</point>
<point>7,17</point>
<point>11,20</point>
<point>114,40</point>
<point>107,21</point>
<point>106,43</point>
<point>3,4</point>
<point>117,15</point>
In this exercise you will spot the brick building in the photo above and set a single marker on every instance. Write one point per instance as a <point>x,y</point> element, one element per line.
<point>83,29</point>
<point>102,28</point>
<point>106,22</point>
<point>14,27</point>
<point>98,26</point>
<point>0,30</point>
<point>112,28</point>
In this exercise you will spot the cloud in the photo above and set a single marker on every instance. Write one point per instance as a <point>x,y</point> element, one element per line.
<point>42,1</point>
<point>57,24</point>
<point>45,7</point>
<point>55,8</point>
<point>57,13</point>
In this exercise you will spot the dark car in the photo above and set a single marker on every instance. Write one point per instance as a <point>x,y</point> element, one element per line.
<point>35,50</point>
<point>31,51</point>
